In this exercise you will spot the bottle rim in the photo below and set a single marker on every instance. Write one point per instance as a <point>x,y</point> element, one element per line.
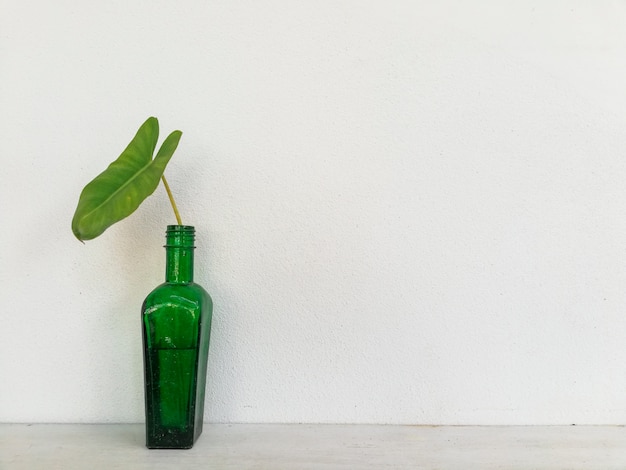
<point>180,236</point>
<point>181,228</point>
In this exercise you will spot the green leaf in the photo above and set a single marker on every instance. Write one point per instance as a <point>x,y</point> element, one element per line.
<point>119,190</point>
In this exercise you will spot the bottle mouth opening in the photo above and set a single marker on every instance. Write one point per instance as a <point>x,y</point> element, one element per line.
<point>180,228</point>
<point>180,236</point>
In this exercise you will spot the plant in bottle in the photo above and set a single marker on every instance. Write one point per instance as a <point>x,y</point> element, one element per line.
<point>176,315</point>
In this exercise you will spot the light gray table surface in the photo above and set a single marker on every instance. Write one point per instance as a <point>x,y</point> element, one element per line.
<point>303,446</point>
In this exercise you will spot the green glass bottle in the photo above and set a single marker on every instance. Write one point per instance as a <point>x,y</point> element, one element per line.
<point>176,325</point>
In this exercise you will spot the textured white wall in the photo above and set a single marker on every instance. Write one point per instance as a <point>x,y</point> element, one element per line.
<point>407,211</point>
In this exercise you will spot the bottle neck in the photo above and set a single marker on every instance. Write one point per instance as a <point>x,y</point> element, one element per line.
<point>179,246</point>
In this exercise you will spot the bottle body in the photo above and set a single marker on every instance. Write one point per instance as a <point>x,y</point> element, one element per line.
<point>176,325</point>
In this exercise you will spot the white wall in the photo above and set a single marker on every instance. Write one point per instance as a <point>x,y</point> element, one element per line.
<point>407,212</point>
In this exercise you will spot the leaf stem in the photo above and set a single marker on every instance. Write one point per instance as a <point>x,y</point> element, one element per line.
<point>169,194</point>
